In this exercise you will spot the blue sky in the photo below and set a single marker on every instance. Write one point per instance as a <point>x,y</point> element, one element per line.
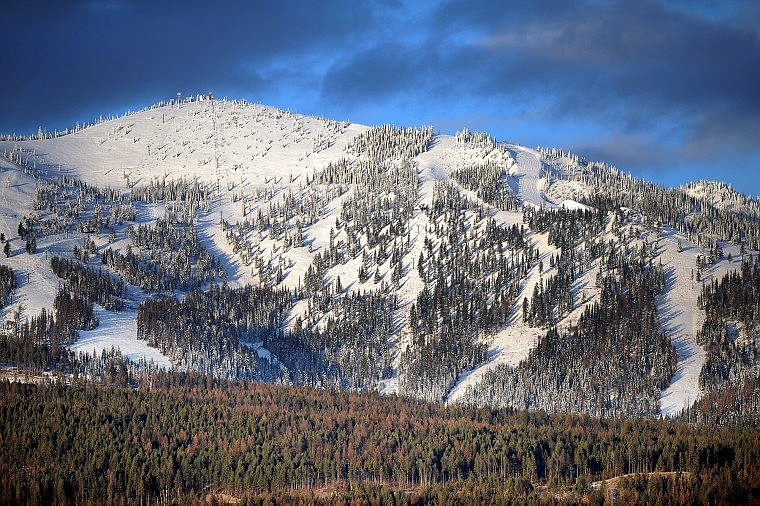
<point>668,90</point>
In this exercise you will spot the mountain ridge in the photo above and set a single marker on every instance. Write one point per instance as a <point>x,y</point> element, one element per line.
<point>344,216</point>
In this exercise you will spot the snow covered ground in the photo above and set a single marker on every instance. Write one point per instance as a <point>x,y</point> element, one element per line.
<point>232,147</point>
<point>527,177</point>
<point>680,320</point>
<point>513,343</point>
<point>680,317</point>
<point>237,150</point>
<point>434,165</point>
<point>118,330</point>
<point>36,284</point>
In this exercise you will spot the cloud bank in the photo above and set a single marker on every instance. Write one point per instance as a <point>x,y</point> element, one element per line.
<point>661,87</point>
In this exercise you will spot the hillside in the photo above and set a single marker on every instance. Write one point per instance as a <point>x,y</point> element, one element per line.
<point>245,241</point>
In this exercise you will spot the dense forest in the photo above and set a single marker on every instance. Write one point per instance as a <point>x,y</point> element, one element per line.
<point>213,331</point>
<point>182,436</point>
<point>169,256</point>
<point>7,284</point>
<point>90,284</point>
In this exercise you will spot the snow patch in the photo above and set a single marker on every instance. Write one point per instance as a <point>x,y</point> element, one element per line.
<point>118,330</point>
<point>572,205</point>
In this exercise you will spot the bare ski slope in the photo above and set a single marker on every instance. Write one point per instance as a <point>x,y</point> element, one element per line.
<point>680,317</point>
<point>527,177</point>
<point>680,320</point>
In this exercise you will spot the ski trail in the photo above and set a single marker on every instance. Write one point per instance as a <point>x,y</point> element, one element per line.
<point>680,320</point>
<point>118,330</point>
<point>514,341</point>
<point>526,177</point>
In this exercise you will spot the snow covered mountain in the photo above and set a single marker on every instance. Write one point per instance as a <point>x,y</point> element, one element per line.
<point>246,241</point>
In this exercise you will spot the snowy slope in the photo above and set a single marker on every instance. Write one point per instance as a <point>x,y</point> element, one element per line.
<point>680,319</point>
<point>38,285</point>
<point>511,344</point>
<point>528,177</point>
<point>233,147</point>
<point>251,157</point>
<point>120,331</point>
<point>436,164</point>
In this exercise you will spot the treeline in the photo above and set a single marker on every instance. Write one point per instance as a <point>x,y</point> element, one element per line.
<point>179,436</point>
<point>696,217</point>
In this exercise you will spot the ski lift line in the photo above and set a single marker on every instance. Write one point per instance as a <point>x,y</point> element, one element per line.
<point>216,156</point>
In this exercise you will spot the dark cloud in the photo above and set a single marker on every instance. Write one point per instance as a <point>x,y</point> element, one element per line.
<point>635,62</point>
<point>375,74</point>
<point>64,60</point>
<point>666,80</point>
<point>630,80</point>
